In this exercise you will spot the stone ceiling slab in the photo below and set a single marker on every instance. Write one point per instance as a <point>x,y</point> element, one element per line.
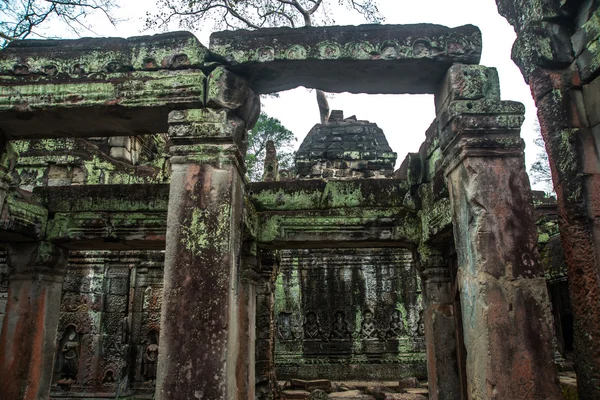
<point>357,59</point>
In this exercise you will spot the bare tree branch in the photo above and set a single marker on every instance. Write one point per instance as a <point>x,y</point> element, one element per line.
<point>253,14</point>
<point>21,18</point>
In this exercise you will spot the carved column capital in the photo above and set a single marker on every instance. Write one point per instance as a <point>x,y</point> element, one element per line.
<point>480,129</point>
<point>42,259</point>
<point>200,136</point>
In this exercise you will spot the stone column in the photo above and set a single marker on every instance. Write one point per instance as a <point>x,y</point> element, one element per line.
<point>200,354</point>
<point>440,330</point>
<point>8,158</point>
<point>28,340</point>
<point>266,383</point>
<point>507,321</point>
<point>557,51</point>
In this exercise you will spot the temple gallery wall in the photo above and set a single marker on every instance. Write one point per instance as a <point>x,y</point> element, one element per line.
<point>138,262</point>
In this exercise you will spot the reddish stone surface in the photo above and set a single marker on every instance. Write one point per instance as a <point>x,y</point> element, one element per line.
<point>442,363</point>
<point>506,311</point>
<point>27,343</point>
<point>199,344</point>
<point>574,166</point>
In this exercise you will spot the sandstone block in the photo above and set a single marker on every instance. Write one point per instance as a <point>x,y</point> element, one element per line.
<point>404,396</point>
<point>120,141</point>
<point>351,395</point>
<point>358,59</point>
<point>468,82</point>
<point>411,382</point>
<point>226,89</point>
<point>318,394</point>
<point>542,44</point>
<point>120,153</point>
<point>296,394</point>
<point>379,391</point>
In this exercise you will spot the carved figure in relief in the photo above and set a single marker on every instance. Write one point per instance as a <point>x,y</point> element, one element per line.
<point>109,377</point>
<point>396,326</point>
<point>312,329</point>
<point>150,357</point>
<point>284,326</point>
<point>69,357</point>
<point>421,325</point>
<point>368,330</point>
<point>340,327</point>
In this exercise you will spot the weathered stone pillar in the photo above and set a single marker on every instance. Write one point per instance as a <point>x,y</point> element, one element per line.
<point>506,311</point>
<point>28,340</point>
<point>557,51</point>
<point>266,383</point>
<point>440,330</point>
<point>200,354</point>
<point>247,324</point>
<point>8,158</point>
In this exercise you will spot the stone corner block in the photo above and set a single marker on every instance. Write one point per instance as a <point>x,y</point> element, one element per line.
<point>468,82</point>
<point>205,125</point>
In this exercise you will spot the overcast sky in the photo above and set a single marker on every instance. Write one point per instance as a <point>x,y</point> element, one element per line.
<point>403,118</point>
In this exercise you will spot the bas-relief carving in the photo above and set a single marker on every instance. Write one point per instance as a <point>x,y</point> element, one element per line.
<point>150,357</point>
<point>284,326</point>
<point>361,306</point>
<point>312,328</point>
<point>339,330</point>
<point>117,339</point>
<point>368,330</point>
<point>396,326</point>
<point>68,357</point>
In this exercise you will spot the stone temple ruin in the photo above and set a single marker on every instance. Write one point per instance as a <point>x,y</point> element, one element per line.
<point>136,261</point>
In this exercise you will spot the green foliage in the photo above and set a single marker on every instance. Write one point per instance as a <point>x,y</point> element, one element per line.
<point>20,18</point>
<point>255,14</point>
<point>269,128</point>
<point>540,169</point>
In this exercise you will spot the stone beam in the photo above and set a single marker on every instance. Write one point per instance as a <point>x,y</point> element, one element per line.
<point>104,198</point>
<point>317,194</point>
<point>346,227</point>
<point>115,217</point>
<point>98,86</point>
<point>364,59</point>
<point>111,104</point>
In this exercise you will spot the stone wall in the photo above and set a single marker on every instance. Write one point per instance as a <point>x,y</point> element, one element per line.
<point>107,339</point>
<point>346,314</point>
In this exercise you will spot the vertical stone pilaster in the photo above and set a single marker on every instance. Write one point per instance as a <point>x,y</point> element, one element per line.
<point>200,354</point>
<point>506,311</point>
<point>440,330</point>
<point>266,383</point>
<point>558,57</point>
<point>28,340</point>
<point>8,158</point>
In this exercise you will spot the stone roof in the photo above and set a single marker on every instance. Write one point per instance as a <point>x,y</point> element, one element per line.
<point>345,149</point>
